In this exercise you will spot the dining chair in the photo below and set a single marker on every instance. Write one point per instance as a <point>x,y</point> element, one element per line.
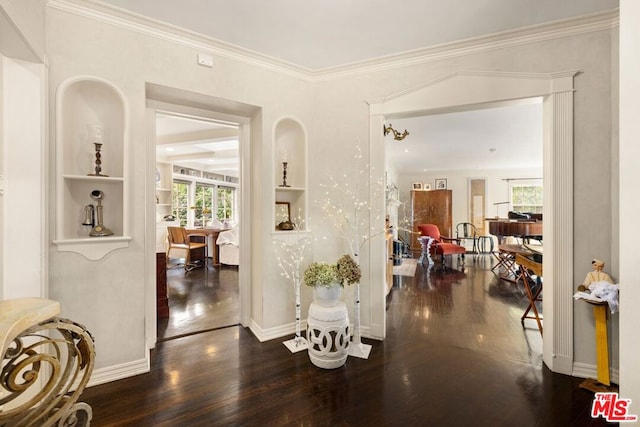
<point>180,239</point>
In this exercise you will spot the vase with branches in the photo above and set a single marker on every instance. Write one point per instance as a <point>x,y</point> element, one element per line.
<point>346,205</point>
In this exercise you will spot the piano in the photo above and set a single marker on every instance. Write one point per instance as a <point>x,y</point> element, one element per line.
<point>525,229</point>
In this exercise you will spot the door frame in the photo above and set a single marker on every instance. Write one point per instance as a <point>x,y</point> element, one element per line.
<point>183,102</point>
<point>480,89</point>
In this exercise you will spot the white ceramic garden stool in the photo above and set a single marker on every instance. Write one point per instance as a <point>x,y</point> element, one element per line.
<point>328,335</point>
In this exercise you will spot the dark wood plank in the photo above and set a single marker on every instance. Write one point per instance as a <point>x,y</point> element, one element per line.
<point>456,355</point>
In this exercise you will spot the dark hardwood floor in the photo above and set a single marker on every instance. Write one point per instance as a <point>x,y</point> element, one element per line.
<point>456,354</point>
<point>201,300</point>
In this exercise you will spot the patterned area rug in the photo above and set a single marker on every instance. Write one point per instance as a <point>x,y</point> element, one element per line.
<point>407,268</point>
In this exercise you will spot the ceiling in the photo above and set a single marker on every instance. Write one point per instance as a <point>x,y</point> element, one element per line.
<point>197,143</point>
<point>490,138</point>
<point>317,35</point>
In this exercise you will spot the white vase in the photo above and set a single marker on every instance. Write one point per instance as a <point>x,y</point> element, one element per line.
<point>327,296</point>
<point>328,328</point>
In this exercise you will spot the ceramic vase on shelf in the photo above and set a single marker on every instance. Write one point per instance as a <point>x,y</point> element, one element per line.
<point>328,328</point>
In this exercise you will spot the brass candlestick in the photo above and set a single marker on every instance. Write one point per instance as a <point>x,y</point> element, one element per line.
<point>98,161</point>
<point>284,175</point>
<point>96,137</point>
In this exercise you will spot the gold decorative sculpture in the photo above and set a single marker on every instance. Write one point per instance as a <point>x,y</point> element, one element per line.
<point>396,134</point>
<point>46,364</point>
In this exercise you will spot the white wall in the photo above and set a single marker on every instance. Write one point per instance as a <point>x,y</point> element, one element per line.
<point>24,165</point>
<point>629,203</point>
<point>22,27</point>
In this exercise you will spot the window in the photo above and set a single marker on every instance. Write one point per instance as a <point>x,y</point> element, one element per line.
<point>204,204</point>
<point>526,198</point>
<point>180,201</point>
<point>226,203</point>
<point>195,204</point>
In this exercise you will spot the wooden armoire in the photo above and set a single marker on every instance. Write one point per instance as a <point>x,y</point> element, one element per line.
<point>431,207</point>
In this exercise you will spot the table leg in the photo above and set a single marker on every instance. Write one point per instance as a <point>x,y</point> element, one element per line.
<point>602,345</point>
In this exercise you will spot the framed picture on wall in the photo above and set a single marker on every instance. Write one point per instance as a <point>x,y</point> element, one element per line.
<point>416,186</point>
<point>426,186</point>
<point>441,184</point>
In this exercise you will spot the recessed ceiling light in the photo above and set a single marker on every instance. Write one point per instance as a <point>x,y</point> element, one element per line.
<point>406,150</point>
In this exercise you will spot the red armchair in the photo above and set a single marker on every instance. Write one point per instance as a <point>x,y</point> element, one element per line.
<point>441,245</point>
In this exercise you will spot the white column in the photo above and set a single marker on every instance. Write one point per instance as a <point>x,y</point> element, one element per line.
<point>629,203</point>
<point>558,225</point>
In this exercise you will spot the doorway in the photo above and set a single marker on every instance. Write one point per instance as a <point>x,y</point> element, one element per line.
<point>197,184</point>
<point>245,117</point>
<point>460,90</point>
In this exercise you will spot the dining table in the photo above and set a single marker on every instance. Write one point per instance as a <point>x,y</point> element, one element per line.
<point>209,233</point>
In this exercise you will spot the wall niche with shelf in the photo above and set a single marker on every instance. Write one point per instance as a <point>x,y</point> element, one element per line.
<point>290,146</point>
<point>84,103</point>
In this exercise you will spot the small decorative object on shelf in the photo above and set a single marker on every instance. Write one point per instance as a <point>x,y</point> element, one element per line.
<point>284,175</point>
<point>99,230</point>
<point>96,137</point>
<point>89,216</point>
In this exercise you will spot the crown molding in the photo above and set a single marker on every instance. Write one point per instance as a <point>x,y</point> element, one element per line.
<point>96,10</point>
<point>521,36</point>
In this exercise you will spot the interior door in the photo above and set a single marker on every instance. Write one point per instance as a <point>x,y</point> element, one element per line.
<point>477,198</point>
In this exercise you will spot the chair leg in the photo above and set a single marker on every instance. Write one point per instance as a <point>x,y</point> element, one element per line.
<point>532,297</point>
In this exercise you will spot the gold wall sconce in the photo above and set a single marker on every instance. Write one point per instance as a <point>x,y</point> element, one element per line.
<point>396,135</point>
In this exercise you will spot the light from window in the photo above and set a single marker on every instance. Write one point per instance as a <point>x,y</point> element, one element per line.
<point>526,198</point>
<point>226,199</point>
<point>180,201</point>
<point>204,205</point>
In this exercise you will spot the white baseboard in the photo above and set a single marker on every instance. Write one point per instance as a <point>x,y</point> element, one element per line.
<point>286,330</point>
<point>118,372</point>
<point>586,370</point>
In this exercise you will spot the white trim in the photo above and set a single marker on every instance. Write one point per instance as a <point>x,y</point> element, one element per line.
<point>122,18</point>
<point>469,88</point>
<point>220,110</point>
<point>289,329</point>
<point>118,372</point>
<point>587,370</point>
<point>141,24</point>
<point>285,330</point>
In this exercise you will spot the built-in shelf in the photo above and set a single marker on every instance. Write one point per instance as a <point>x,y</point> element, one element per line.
<point>164,180</point>
<point>290,145</point>
<point>82,103</point>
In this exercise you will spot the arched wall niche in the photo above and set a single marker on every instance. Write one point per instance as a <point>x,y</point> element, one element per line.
<point>477,89</point>
<point>82,102</point>
<point>290,146</point>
